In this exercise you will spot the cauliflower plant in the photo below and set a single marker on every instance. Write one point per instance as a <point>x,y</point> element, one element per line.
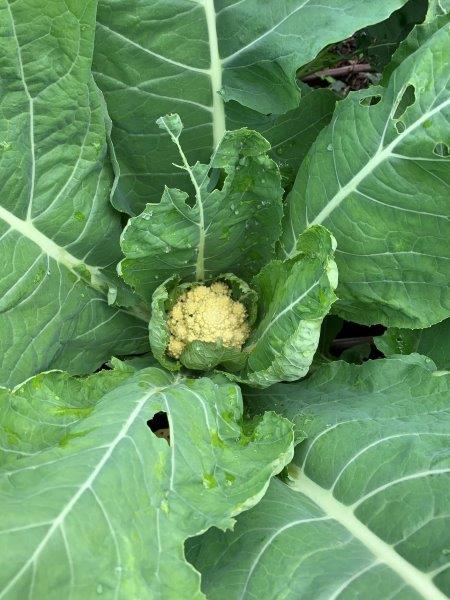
<point>207,314</point>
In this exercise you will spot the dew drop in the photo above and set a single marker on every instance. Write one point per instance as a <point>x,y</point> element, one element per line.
<point>99,589</point>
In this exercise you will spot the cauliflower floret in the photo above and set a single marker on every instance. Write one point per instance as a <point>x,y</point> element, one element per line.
<point>207,314</point>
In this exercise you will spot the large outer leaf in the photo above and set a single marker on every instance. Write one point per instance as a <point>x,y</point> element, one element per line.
<point>153,58</point>
<point>433,342</point>
<point>57,229</point>
<point>369,517</point>
<point>233,227</point>
<point>376,177</point>
<point>108,505</point>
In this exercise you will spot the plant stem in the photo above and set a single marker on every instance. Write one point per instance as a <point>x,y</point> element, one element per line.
<point>339,71</point>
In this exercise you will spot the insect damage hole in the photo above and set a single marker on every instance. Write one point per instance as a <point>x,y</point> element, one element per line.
<point>406,100</point>
<point>216,179</point>
<point>370,100</point>
<point>400,126</point>
<point>159,425</point>
<point>441,150</point>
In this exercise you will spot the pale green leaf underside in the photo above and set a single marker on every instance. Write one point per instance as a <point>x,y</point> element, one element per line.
<point>57,229</point>
<point>155,58</point>
<point>378,177</point>
<point>109,504</point>
<point>368,515</point>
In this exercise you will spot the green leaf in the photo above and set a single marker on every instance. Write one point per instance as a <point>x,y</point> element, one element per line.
<point>229,227</point>
<point>152,58</point>
<point>438,7</point>
<point>59,237</point>
<point>418,36</point>
<point>331,326</point>
<point>378,42</point>
<point>378,178</point>
<point>357,354</point>
<point>367,512</point>
<point>294,297</point>
<point>204,356</point>
<point>109,504</point>
<point>292,134</point>
<point>432,342</point>
<point>164,297</point>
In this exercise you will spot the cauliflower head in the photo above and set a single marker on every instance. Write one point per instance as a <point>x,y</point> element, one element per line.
<point>207,314</point>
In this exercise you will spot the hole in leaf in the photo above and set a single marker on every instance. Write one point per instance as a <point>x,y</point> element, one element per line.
<point>216,179</point>
<point>400,126</point>
<point>159,425</point>
<point>370,100</point>
<point>441,150</point>
<point>408,98</point>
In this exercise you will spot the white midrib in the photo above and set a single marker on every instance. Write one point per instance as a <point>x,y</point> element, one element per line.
<point>59,520</point>
<point>48,247</point>
<point>215,73</point>
<point>285,310</point>
<point>385,553</point>
<point>379,157</point>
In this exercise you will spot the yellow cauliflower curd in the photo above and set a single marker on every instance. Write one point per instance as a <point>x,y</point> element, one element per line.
<point>207,314</point>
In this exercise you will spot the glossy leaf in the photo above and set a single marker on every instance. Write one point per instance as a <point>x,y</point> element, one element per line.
<point>59,237</point>
<point>366,515</point>
<point>189,57</point>
<point>378,178</point>
<point>109,504</point>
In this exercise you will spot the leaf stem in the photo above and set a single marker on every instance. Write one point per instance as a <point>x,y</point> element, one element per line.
<point>200,263</point>
<point>339,71</point>
<point>215,73</point>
